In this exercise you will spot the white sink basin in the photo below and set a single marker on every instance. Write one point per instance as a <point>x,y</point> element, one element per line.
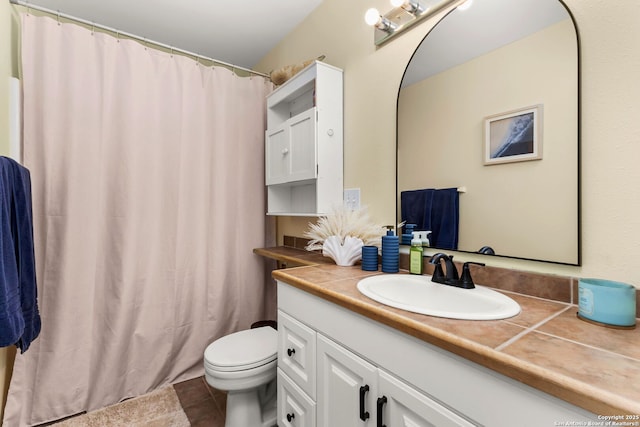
<point>420,295</point>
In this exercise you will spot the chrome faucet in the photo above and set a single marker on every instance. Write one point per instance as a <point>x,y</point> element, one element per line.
<point>451,277</point>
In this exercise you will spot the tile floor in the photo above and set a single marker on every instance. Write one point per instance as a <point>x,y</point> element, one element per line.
<point>204,405</point>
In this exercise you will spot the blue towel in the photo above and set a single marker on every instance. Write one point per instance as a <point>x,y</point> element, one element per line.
<point>19,316</point>
<point>435,210</point>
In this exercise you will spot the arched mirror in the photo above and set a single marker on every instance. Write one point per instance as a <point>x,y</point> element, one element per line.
<point>489,106</point>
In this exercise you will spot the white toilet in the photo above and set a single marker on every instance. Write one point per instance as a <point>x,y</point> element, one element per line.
<point>244,365</point>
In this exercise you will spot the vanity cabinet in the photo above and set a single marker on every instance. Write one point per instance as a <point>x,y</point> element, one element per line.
<point>364,366</point>
<point>322,383</point>
<point>304,143</point>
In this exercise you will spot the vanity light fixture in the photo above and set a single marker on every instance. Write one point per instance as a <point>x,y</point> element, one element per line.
<point>404,14</point>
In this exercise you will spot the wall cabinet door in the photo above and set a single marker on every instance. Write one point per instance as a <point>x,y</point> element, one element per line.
<point>277,154</point>
<point>291,150</point>
<point>347,387</point>
<point>302,142</point>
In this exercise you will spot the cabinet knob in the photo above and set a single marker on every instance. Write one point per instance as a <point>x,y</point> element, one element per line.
<point>290,417</point>
<point>285,151</point>
<point>291,351</point>
<point>330,132</point>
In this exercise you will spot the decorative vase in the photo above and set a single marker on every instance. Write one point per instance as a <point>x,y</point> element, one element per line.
<point>343,253</point>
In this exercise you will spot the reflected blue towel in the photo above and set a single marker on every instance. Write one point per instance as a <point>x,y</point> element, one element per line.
<point>435,210</point>
<point>19,316</point>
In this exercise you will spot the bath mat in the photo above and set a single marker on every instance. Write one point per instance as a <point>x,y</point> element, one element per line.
<point>160,408</point>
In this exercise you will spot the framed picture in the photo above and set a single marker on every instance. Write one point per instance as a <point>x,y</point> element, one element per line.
<point>514,136</point>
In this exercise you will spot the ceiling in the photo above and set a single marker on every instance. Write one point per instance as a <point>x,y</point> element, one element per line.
<point>238,32</point>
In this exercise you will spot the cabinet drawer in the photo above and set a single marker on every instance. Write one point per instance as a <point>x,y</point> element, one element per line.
<point>295,408</point>
<point>297,352</point>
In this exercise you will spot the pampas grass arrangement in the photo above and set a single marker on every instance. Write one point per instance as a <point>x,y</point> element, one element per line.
<point>343,222</point>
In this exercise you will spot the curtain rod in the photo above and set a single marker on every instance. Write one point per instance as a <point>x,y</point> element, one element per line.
<point>132,36</point>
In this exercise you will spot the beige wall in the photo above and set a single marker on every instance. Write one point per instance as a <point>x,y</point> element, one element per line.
<point>8,65</point>
<point>530,203</point>
<point>610,37</point>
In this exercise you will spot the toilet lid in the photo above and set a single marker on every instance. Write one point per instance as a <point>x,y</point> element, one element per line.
<point>243,350</point>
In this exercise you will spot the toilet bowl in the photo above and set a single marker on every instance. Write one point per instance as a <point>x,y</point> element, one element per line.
<point>244,365</point>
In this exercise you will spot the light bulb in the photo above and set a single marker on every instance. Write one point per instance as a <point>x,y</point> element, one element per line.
<point>372,17</point>
<point>466,5</point>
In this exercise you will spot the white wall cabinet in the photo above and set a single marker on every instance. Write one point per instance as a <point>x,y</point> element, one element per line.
<point>402,380</point>
<point>304,143</point>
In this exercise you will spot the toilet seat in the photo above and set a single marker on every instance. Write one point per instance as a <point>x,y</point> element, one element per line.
<point>242,350</point>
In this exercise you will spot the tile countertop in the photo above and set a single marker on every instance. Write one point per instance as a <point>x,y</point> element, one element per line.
<point>545,346</point>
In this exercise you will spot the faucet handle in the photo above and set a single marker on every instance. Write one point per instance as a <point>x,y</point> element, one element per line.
<point>466,281</point>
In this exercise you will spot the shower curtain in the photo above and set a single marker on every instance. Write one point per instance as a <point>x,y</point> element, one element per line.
<point>148,197</point>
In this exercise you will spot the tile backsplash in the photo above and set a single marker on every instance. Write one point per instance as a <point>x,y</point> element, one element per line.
<point>547,286</point>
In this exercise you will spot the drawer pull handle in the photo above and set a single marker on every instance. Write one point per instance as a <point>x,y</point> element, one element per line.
<point>381,402</point>
<point>291,351</point>
<point>364,415</point>
<point>285,151</point>
<point>290,417</point>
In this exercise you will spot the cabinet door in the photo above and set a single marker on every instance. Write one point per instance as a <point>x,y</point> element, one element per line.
<point>295,408</point>
<point>400,405</point>
<point>302,143</point>
<point>347,387</point>
<point>277,155</point>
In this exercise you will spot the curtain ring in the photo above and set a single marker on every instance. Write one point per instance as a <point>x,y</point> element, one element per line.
<point>118,36</point>
<point>171,51</point>
<point>93,27</point>
<point>58,15</point>
<point>145,43</point>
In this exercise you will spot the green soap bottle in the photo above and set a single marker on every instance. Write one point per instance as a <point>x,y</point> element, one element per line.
<point>415,256</point>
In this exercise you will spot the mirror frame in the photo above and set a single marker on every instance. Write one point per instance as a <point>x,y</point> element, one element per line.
<point>578,145</point>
